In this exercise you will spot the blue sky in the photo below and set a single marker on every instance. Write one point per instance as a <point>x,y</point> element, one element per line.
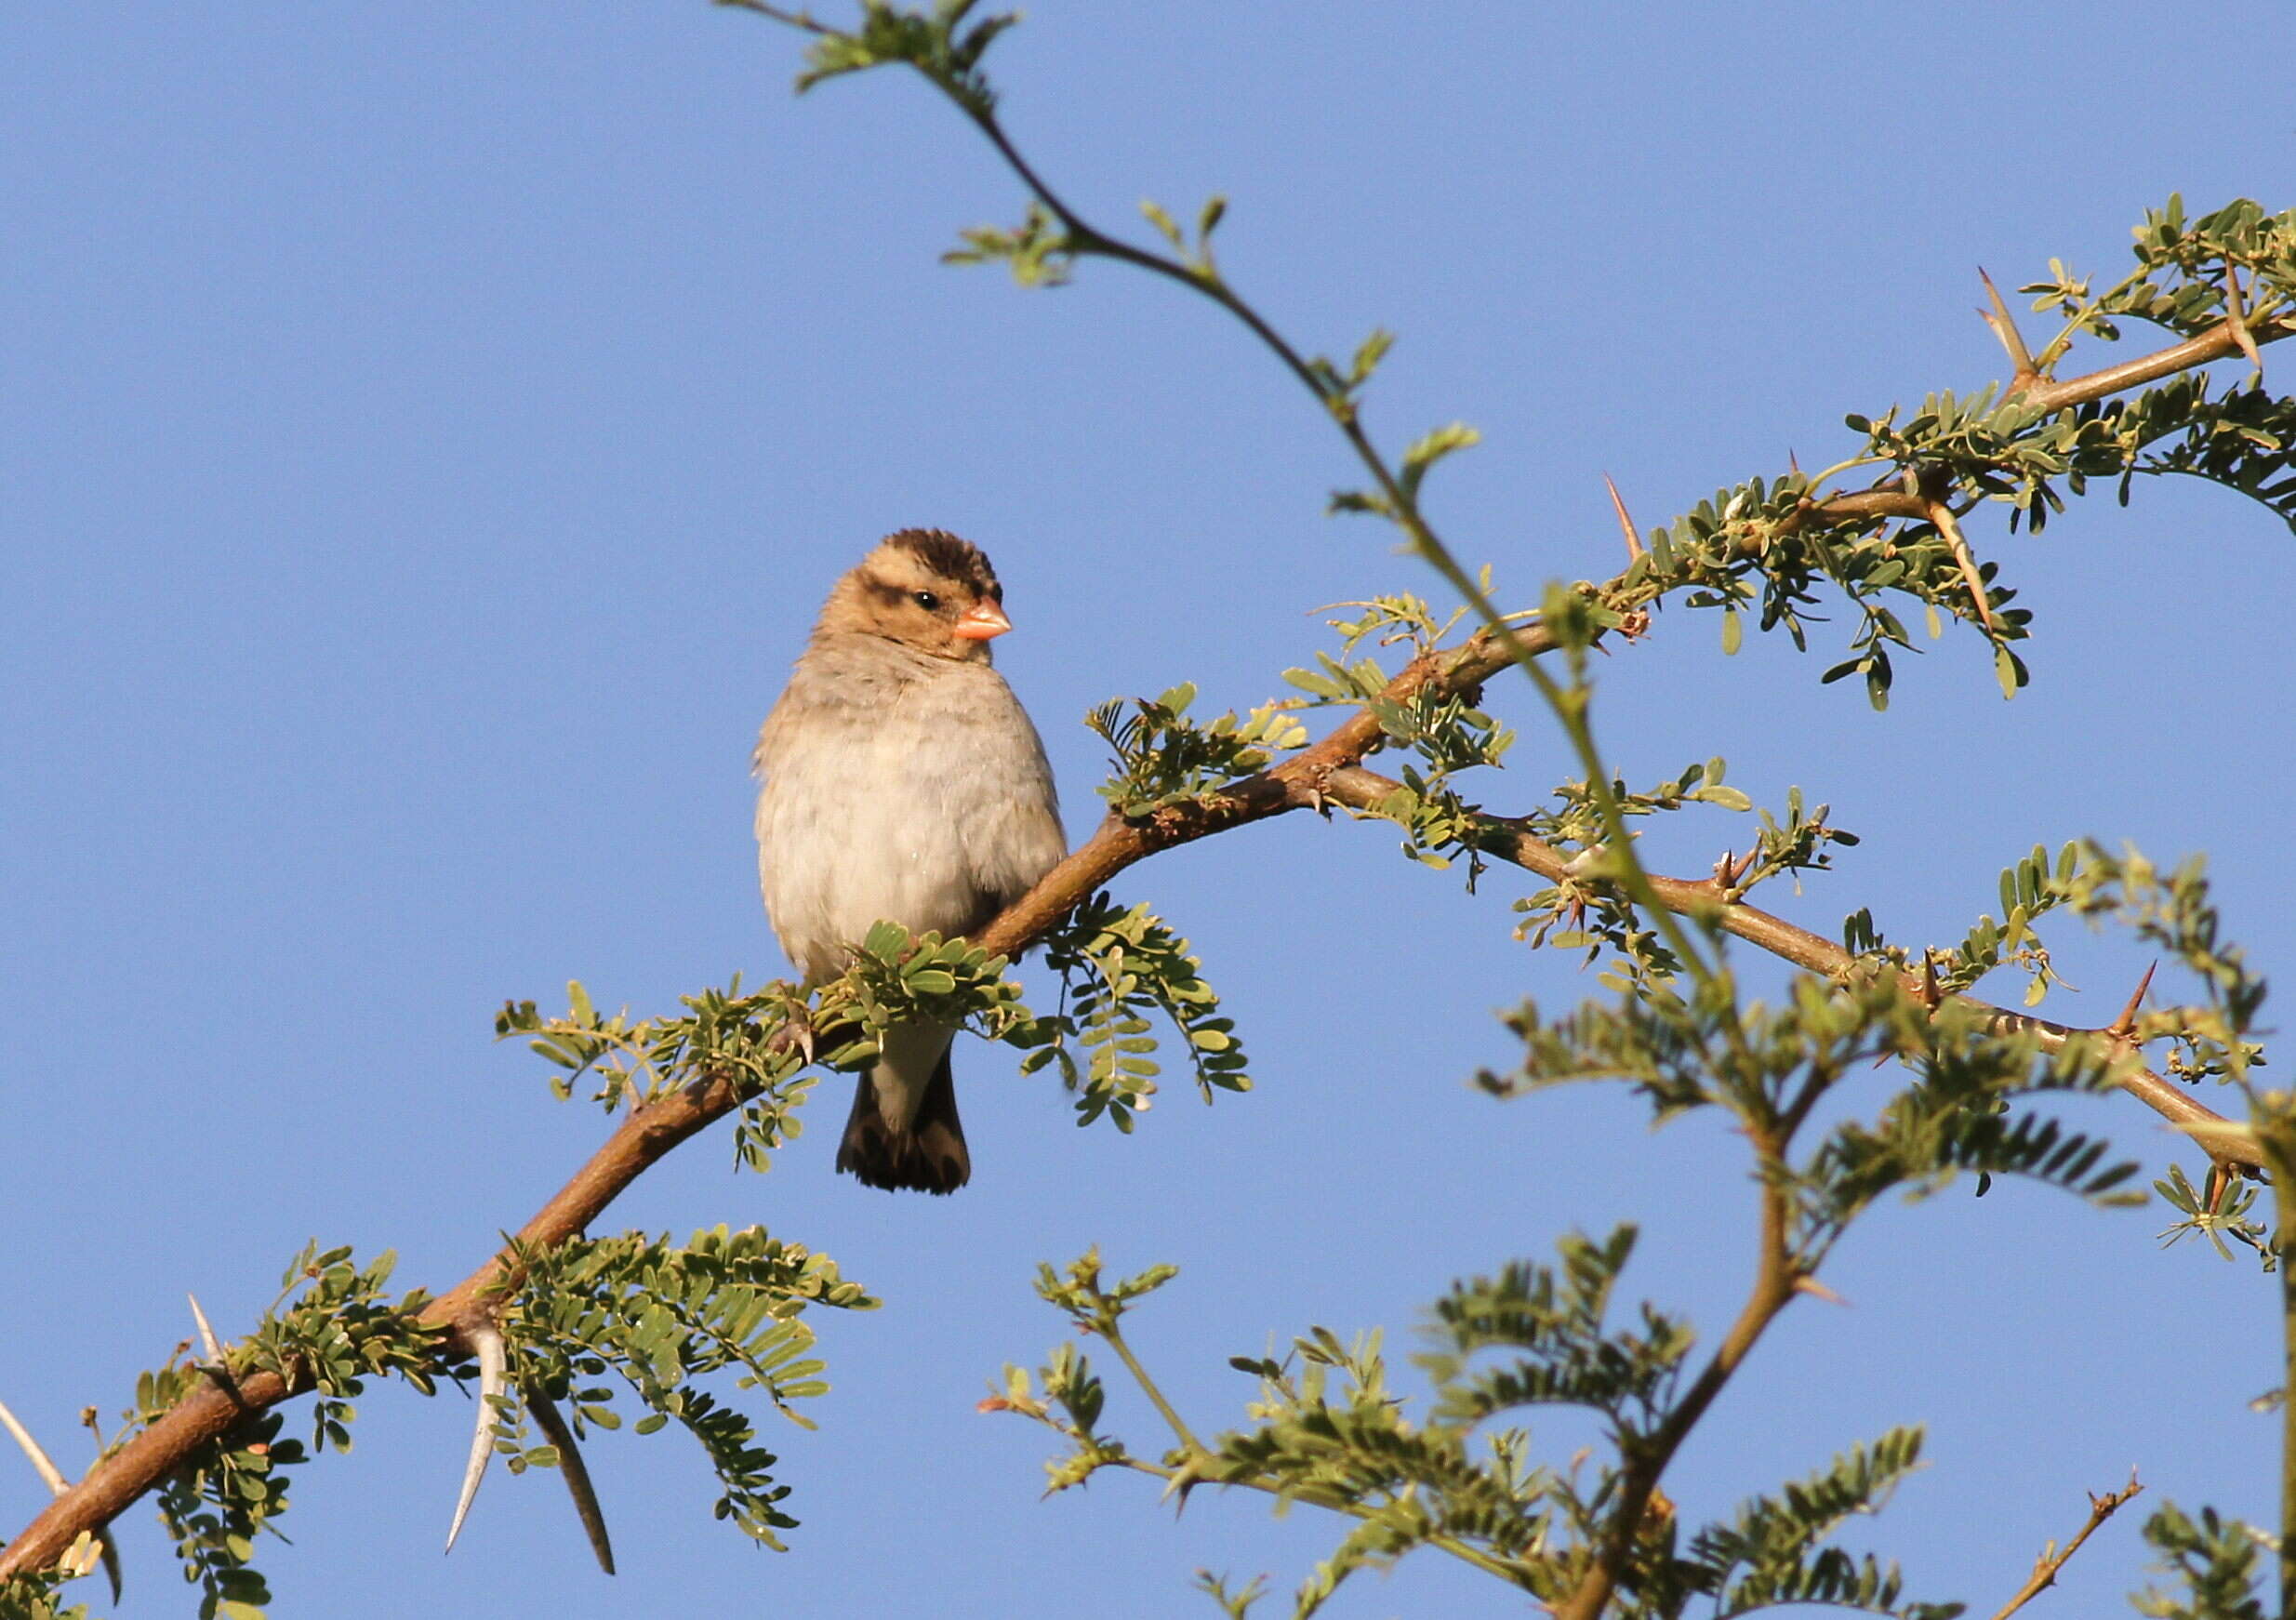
<point>427,432</point>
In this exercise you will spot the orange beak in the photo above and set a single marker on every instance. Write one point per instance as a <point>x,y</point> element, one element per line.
<point>982,621</point>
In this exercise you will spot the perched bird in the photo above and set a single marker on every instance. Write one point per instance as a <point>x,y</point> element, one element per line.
<point>902,782</point>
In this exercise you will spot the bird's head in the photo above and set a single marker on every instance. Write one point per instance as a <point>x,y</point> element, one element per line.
<point>923,588</point>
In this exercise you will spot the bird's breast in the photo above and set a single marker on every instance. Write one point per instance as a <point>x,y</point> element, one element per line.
<point>931,806</point>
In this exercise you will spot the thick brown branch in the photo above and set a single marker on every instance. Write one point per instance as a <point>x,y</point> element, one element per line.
<point>1361,789</point>
<point>2219,343</point>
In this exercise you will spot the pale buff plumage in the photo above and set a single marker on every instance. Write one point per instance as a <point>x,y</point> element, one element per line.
<point>902,781</point>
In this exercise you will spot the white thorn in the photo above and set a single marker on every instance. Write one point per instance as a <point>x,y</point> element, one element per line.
<point>491,1383</point>
<point>206,1334</point>
<point>53,1477</point>
<point>50,1475</point>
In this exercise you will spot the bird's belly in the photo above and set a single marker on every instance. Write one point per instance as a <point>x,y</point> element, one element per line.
<point>841,850</point>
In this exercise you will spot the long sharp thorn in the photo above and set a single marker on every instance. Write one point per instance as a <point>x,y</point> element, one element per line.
<point>1184,1480</point>
<point>2006,330</point>
<point>1626,523</point>
<point>109,1551</point>
<point>42,1464</point>
<point>2237,318</point>
<point>553,1425</point>
<point>53,1477</point>
<point>491,1383</point>
<point>206,1334</point>
<point>2122,1026</point>
<point>1941,515</point>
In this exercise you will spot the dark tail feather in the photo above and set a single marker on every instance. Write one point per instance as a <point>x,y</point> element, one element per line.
<point>928,1157</point>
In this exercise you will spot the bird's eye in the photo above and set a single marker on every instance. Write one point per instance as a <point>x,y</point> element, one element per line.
<point>926,600</point>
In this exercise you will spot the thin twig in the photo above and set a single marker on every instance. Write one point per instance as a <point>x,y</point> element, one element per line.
<point>1109,1331</point>
<point>2045,1567</point>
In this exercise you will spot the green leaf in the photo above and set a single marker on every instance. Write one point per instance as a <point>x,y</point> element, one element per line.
<point>1431,447</point>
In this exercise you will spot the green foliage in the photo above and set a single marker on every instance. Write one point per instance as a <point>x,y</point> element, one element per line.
<point>1769,540</point>
<point>1037,251</point>
<point>215,1506</point>
<point>1069,1382</point>
<point>1771,1066</point>
<point>1236,1604</point>
<point>937,44</point>
<point>1163,758</point>
<point>1398,503</point>
<point>2185,273</point>
<point>1329,1430</point>
<point>659,1317</point>
<point>725,1033</point>
<point>2030,890</point>
<point>338,1331</point>
<point>2174,912</point>
<point>1957,1120</point>
<point>36,1595</point>
<point>1771,1552</point>
<point>762,1043</point>
<point>2220,1562</point>
<point>1117,965</point>
<point>1588,909</point>
<point>1196,258</point>
<point>1446,732</point>
<point>757,1042</point>
<point>1326,1428</point>
<point>331,1329</point>
<point>2223,1216</point>
<point>1338,389</point>
<point>1555,1317</point>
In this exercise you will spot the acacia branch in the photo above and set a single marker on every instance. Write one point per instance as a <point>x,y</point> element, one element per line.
<point>1891,499</point>
<point>1364,790</point>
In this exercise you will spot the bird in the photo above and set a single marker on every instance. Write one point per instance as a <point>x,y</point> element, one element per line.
<point>902,781</point>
